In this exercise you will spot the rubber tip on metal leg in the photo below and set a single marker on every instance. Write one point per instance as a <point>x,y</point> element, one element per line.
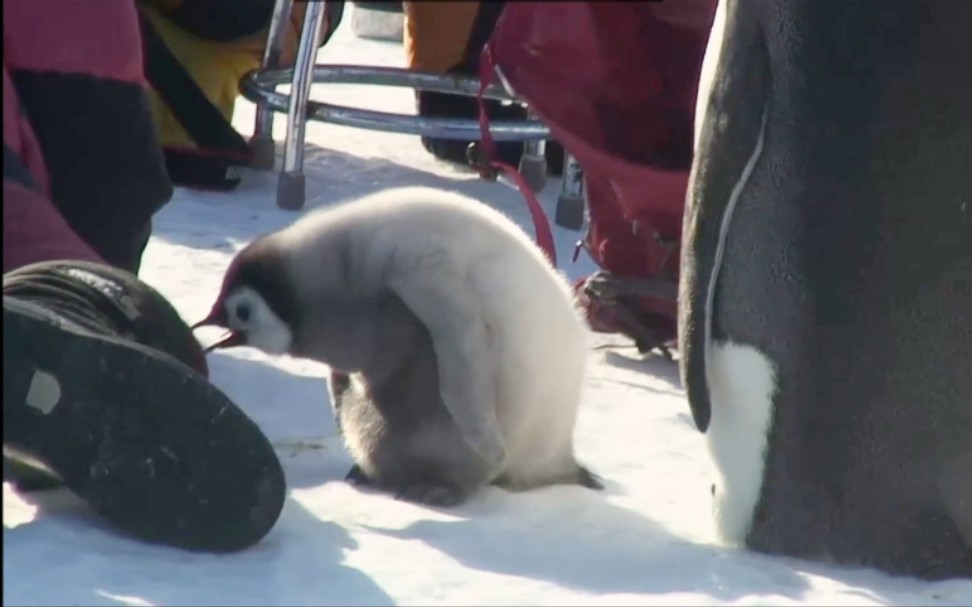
<point>570,212</point>
<point>264,153</point>
<point>534,171</point>
<point>291,191</point>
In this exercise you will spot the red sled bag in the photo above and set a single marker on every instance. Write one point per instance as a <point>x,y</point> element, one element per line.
<point>616,84</point>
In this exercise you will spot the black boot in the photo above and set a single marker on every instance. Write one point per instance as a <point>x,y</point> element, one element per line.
<point>105,385</point>
<point>442,105</point>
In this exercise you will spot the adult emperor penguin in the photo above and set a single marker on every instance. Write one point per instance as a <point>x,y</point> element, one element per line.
<point>458,355</point>
<point>826,295</point>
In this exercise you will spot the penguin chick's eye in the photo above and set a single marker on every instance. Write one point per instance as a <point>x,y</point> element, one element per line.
<point>243,312</point>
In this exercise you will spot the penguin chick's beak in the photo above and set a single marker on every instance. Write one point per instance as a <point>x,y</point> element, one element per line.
<point>217,317</point>
<point>233,338</point>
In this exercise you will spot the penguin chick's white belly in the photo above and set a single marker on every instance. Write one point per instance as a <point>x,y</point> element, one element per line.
<point>541,349</point>
<point>539,344</point>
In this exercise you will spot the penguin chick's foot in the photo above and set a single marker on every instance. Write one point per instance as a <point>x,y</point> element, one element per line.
<point>433,495</point>
<point>357,477</point>
<point>586,478</point>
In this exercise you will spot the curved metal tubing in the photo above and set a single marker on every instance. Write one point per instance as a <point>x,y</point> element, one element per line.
<point>259,86</point>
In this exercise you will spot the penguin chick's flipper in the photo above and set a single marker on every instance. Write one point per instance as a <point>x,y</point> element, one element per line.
<point>581,476</point>
<point>461,342</point>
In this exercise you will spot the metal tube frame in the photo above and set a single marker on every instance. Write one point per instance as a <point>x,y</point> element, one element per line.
<point>573,178</point>
<point>264,149</point>
<point>571,204</point>
<point>291,183</point>
<point>301,83</point>
<point>260,87</point>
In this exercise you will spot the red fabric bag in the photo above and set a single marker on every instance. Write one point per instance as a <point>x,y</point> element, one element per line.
<point>616,84</point>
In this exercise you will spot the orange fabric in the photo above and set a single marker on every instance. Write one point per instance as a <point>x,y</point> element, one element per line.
<point>436,33</point>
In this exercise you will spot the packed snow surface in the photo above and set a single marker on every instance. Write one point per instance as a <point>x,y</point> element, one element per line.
<point>646,539</point>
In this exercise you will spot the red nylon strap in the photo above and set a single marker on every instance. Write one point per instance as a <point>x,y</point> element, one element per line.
<point>489,166</point>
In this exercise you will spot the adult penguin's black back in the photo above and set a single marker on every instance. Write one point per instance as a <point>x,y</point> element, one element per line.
<point>826,296</point>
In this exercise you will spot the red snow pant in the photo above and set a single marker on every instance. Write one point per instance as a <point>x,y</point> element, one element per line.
<point>616,83</point>
<point>83,172</point>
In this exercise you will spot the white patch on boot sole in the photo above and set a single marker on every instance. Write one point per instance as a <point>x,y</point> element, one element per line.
<point>742,387</point>
<point>44,392</point>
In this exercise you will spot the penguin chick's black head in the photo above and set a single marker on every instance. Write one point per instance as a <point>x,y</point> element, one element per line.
<point>257,300</point>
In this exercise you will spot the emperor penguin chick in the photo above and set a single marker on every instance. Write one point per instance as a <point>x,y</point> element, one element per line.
<point>457,352</point>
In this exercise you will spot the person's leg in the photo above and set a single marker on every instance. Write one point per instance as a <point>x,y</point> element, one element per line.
<point>78,76</point>
<point>105,385</point>
<point>33,230</point>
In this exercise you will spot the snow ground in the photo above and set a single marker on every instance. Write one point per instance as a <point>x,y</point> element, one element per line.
<point>646,540</point>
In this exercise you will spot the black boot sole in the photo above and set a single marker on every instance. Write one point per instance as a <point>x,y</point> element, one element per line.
<point>149,444</point>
